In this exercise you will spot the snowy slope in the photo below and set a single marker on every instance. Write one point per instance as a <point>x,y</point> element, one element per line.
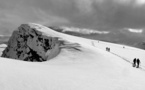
<point>92,68</point>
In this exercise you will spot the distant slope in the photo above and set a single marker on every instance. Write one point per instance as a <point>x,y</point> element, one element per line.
<point>120,37</point>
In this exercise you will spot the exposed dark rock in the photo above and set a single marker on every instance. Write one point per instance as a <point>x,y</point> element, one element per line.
<point>29,44</point>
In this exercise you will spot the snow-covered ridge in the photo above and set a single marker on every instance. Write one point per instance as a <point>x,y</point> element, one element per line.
<point>70,38</point>
<point>92,68</point>
<point>82,30</point>
<point>3,45</point>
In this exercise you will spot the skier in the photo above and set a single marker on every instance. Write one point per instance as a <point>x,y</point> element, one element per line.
<point>134,62</point>
<point>138,62</point>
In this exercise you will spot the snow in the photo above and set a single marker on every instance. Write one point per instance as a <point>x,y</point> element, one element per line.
<point>127,53</point>
<point>92,68</point>
<point>2,47</point>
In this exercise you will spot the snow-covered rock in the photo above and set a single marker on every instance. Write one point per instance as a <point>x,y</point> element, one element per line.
<point>29,44</point>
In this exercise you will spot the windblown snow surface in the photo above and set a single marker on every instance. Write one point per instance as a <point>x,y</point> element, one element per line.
<point>90,68</point>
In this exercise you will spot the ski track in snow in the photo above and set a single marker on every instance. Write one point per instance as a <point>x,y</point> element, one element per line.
<point>92,68</point>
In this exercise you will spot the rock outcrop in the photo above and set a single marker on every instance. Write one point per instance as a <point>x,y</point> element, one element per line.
<point>29,44</point>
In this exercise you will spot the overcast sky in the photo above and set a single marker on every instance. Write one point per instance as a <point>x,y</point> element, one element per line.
<point>95,14</point>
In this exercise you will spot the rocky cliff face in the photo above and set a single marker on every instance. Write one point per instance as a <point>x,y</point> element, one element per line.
<point>29,44</point>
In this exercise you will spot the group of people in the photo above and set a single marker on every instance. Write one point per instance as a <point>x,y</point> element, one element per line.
<point>136,62</point>
<point>108,49</point>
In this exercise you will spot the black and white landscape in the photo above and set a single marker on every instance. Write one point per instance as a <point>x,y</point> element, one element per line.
<point>72,44</point>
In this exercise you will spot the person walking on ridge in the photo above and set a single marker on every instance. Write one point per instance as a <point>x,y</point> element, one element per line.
<point>134,62</point>
<point>138,63</point>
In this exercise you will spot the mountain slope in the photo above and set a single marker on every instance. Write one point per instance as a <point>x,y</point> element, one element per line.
<point>89,68</point>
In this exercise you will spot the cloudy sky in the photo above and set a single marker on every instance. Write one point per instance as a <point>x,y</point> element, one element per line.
<point>94,14</point>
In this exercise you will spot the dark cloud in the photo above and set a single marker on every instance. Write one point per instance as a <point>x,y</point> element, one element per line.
<point>95,14</point>
<point>112,14</point>
<point>101,14</point>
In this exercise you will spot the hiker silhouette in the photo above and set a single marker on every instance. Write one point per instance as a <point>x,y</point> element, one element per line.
<point>134,62</point>
<point>138,63</point>
<point>108,49</point>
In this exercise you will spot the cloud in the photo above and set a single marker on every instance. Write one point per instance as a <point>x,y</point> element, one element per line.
<point>10,19</point>
<point>94,14</point>
<point>48,18</point>
<point>85,6</point>
<point>135,30</point>
<point>107,14</point>
<point>83,30</point>
<point>140,2</point>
